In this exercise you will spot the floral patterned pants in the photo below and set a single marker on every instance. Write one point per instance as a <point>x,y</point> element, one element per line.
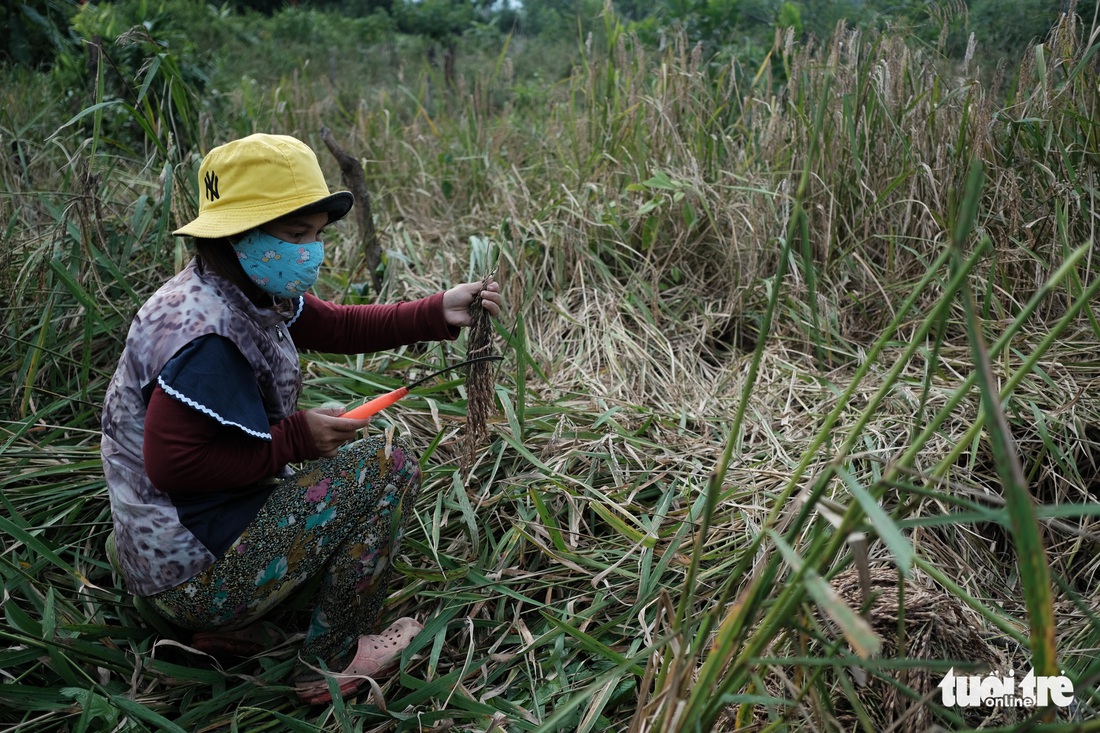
<point>343,517</point>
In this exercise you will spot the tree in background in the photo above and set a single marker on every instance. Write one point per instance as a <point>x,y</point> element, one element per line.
<point>442,22</point>
<point>557,19</point>
<point>36,33</point>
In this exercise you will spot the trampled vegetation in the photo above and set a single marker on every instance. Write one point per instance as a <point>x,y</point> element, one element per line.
<point>799,404</point>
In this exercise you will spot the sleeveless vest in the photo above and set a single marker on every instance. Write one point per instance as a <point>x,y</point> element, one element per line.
<point>155,550</point>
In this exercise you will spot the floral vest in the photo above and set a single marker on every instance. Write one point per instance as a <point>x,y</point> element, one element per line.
<point>155,550</point>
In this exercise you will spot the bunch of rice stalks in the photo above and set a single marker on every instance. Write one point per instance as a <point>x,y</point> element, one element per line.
<point>479,382</point>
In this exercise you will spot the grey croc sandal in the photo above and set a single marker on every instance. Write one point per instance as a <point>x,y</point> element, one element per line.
<point>376,653</point>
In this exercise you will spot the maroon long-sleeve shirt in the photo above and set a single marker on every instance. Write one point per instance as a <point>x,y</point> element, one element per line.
<point>186,451</point>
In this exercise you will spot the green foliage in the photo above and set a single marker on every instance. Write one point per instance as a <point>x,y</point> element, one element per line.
<point>820,17</point>
<point>1011,26</point>
<point>561,20</point>
<point>436,19</point>
<point>33,33</point>
<point>138,65</point>
<point>789,16</point>
<point>311,28</point>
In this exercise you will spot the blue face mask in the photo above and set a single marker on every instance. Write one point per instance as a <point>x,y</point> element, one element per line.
<point>283,269</point>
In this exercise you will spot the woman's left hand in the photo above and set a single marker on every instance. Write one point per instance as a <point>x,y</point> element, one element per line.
<point>457,300</point>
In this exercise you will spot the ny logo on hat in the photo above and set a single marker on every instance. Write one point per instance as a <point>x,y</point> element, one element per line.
<point>211,180</point>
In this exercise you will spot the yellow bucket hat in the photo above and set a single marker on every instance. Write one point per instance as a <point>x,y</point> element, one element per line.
<point>257,179</point>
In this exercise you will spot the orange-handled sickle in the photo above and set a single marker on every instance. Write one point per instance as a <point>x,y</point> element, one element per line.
<point>381,402</point>
<point>378,404</point>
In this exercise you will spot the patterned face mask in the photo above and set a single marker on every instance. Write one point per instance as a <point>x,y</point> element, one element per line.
<point>283,269</point>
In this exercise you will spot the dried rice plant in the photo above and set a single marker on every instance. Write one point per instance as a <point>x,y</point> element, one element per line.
<point>479,383</point>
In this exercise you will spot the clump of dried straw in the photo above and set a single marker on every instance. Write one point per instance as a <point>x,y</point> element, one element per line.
<point>938,626</point>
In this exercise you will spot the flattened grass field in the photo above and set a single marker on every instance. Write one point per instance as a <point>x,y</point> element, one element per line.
<point>800,403</point>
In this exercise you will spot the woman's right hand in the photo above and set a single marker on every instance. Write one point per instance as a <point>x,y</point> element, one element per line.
<point>330,431</point>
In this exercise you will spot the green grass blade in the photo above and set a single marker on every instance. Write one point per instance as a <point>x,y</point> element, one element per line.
<point>887,530</point>
<point>1026,532</point>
